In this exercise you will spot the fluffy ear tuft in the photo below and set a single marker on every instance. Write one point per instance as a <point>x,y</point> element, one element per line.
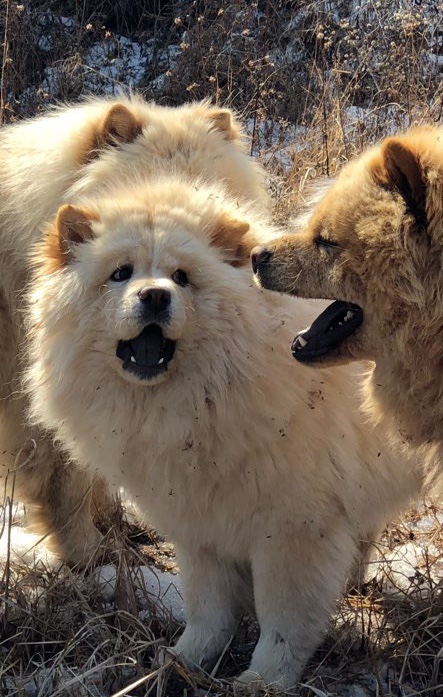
<point>232,237</point>
<point>119,126</point>
<point>223,120</point>
<point>399,168</point>
<point>73,226</point>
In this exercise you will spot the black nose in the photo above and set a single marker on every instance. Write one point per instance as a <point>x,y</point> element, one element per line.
<point>155,300</point>
<point>259,256</point>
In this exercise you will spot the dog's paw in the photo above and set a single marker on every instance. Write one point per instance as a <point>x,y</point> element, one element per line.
<point>167,656</point>
<point>248,683</point>
<point>199,646</point>
<point>251,684</point>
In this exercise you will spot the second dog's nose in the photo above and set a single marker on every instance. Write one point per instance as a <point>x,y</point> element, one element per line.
<point>260,255</point>
<point>155,299</point>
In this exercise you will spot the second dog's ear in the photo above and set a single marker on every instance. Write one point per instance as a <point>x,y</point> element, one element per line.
<point>231,236</point>
<point>399,168</point>
<point>223,120</point>
<point>73,226</point>
<point>118,125</point>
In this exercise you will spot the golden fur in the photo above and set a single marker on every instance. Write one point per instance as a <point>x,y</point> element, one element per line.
<point>42,162</point>
<point>262,473</point>
<point>384,214</point>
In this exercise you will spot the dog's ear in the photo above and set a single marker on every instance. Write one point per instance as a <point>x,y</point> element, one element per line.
<point>73,226</point>
<point>223,120</point>
<point>231,236</point>
<point>118,125</point>
<point>398,167</point>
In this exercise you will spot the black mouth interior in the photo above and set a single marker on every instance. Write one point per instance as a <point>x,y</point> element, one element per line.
<point>148,354</point>
<point>333,326</point>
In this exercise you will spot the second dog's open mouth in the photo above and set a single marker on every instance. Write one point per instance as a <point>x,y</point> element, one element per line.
<point>147,355</point>
<point>333,326</point>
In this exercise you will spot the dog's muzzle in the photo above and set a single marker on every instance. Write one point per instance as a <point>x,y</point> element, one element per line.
<point>146,355</point>
<point>335,324</point>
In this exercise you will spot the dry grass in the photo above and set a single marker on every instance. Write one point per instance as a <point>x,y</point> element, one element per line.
<point>315,82</point>
<point>66,632</point>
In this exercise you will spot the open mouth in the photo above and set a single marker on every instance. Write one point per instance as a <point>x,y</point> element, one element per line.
<point>147,355</point>
<point>333,326</point>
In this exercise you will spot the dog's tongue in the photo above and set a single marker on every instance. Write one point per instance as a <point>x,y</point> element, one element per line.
<point>147,346</point>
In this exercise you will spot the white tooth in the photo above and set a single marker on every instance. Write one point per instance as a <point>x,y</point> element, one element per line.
<point>349,314</point>
<point>340,324</point>
<point>161,360</point>
<point>132,359</point>
<point>301,341</point>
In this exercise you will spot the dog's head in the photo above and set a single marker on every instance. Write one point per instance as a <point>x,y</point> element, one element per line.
<point>144,285</point>
<point>373,243</point>
<point>133,136</point>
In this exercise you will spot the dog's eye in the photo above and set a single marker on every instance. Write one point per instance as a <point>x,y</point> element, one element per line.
<point>180,277</point>
<point>122,273</point>
<point>328,245</point>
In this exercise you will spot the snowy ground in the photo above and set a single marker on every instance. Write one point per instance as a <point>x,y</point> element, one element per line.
<point>18,545</point>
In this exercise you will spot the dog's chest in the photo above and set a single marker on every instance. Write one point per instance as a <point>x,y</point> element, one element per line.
<point>189,489</point>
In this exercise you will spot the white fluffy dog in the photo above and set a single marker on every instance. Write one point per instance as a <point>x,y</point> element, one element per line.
<point>42,161</point>
<point>157,363</point>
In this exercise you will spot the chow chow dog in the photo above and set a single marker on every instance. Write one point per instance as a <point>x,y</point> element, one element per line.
<point>157,363</point>
<point>373,244</point>
<point>43,160</point>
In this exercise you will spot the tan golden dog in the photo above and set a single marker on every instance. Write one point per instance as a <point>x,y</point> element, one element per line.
<point>157,363</point>
<point>42,161</point>
<point>374,242</point>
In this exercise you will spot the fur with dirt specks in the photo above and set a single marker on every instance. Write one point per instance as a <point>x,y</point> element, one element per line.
<point>264,474</point>
<point>43,162</point>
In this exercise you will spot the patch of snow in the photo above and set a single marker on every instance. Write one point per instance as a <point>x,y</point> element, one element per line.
<point>356,113</point>
<point>278,141</point>
<point>408,568</point>
<point>51,80</point>
<point>22,544</point>
<point>152,588</point>
<point>68,22</point>
<point>159,83</point>
<point>436,59</point>
<point>117,60</point>
<point>113,63</point>
<point>296,22</point>
<point>45,43</point>
<point>425,523</point>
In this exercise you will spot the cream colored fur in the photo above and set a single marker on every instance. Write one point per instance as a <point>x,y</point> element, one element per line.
<point>42,161</point>
<point>264,474</point>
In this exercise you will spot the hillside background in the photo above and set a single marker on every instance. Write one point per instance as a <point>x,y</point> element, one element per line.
<point>314,81</point>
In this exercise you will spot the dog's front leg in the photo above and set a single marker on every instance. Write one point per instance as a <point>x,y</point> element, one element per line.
<point>214,594</point>
<point>298,576</point>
